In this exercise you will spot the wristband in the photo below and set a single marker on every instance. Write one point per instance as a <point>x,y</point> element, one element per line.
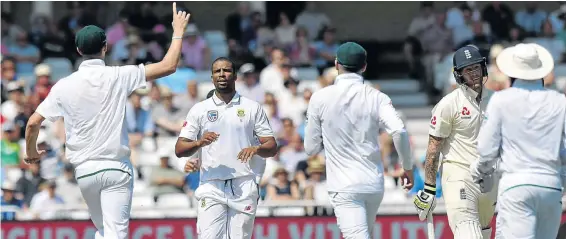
<point>430,189</point>
<point>174,37</point>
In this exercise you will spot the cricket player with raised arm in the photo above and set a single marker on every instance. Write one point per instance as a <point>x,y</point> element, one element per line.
<point>525,127</point>
<point>453,131</point>
<point>226,128</point>
<point>92,103</point>
<point>343,120</point>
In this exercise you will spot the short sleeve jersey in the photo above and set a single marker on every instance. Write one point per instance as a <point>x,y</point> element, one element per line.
<point>457,118</point>
<point>92,102</point>
<point>238,123</point>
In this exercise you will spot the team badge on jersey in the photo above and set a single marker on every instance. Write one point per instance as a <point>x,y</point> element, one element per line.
<point>241,113</point>
<point>212,115</point>
<point>202,203</point>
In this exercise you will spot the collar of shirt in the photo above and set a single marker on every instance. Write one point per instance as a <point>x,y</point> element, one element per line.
<point>349,78</point>
<point>472,94</point>
<point>528,84</point>
<point>219,102</point>
<point>92,62</point>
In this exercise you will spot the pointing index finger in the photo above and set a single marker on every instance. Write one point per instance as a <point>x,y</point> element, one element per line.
<point>174,8</point>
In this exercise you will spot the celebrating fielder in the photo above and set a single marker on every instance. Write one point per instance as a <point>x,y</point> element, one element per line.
<point>525,126</point>
<point>344,120</point>
<point>454,129</point>
<point>92,103</point>
<point>226,128</point>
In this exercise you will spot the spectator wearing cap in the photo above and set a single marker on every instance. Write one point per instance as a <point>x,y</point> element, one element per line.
<point>15,102</point>
<point>165,179</point>
<point>139,120</point>
<point>43,81</point>
<point>44,204</point>
<point>9,201</point>
<point>247,84</point>
<point>326,47</point>
<point>10,146</point>
<point>281,188</point>
<point>26,54</point>
<point>67,186</point>
<point>196,53</point>
<point>167,117</point>
<point>186,101</point>
<point>315,188</point>
<point>29,183</point>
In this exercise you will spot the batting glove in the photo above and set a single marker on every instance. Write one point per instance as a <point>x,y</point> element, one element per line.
<point>425,201</point>
<point>482,177</point>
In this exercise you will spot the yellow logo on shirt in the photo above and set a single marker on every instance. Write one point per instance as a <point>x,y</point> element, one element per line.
<point>241,113</point>
<point>203,203</point>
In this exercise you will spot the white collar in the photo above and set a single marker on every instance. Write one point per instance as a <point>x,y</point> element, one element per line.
<point>349,78</point>
<point>218,101</point>
<point>92,62</point>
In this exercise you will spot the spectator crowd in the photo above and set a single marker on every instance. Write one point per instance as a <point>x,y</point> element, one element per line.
<point>268,62</point>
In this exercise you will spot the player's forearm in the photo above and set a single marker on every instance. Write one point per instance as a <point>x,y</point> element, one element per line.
<point>432,159</point>
<point>168,65</point>
<point>32,131</point>
<point>268,147</point>
<point>186,147</point>
<point>403,147</point>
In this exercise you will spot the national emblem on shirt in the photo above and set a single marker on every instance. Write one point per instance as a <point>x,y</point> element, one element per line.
<point>433,122</point>
<point>212,115</point>
<point>241,113</point>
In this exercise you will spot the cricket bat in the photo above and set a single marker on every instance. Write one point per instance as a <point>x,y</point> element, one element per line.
<point>430,227</point>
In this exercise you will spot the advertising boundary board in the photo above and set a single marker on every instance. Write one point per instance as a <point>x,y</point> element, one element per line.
<point>390,227</point>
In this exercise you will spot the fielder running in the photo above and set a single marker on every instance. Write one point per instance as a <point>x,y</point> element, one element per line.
<point>226,128</point>
<point>92,103</point>
<point>344,120</point>
<point>525,126</point>
<point>453,131</point>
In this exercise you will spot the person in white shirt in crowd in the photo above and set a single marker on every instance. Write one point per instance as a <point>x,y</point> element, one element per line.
<point>312,19</point>
<point>247,84</point>
<point>525,126</point>
<point>453,131</point>
<point>44,204</point>
<point>271,77</point>
<point>291,102</point>
<point>12,107</point>
<point>226,129</point>
<point>343,120</point>
<point>92,103</point>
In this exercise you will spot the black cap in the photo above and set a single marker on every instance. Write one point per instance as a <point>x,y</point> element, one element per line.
<point>90,40</point>
<point>465,56</point>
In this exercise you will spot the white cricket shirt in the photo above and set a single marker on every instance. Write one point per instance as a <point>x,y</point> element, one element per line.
<point>239,123</point>
<point>525,126</point>
<point>92,102</point>
<point>344,120</point>
<point>457,118</point>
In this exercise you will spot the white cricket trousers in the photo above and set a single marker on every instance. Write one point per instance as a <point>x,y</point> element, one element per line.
<point>469,211</point>
<point>356,213</point>
<point>529,212</point>
<point>227,208</point>
<point>107,187</point>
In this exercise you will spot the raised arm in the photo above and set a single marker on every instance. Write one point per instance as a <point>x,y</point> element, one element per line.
<point>168,65</point>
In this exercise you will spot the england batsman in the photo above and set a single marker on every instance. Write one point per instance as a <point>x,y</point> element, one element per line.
<point>226,128</point>
<point>525,126</point>
<point>344,120</point>
<point>453,131</point>
<point>92,103</point>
